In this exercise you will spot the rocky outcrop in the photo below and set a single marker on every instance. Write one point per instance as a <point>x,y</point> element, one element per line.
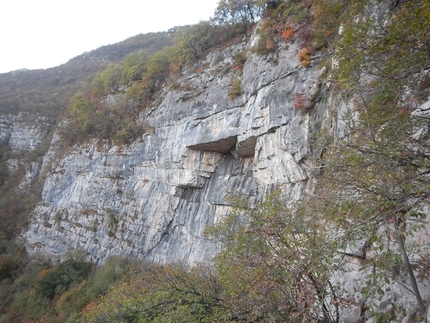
<point>155,198</point>
<point>6,124</point>
<point>23,132</point>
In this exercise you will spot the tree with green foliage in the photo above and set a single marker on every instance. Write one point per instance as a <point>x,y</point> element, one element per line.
<point>156,293</point>
<point>379,182</point>
<point>236,89</point>
<point>107,80</point>
<point>198,39</point>
<point>22,302</point>
<point>58,280</point>
<point>134,67</point>
<point>376,176</point>
<point>72,302</point>
<point>276,263</point>
<point>106,120</point>
<point>83,111</point>
<point>158,67</point>
<point>241,13</point>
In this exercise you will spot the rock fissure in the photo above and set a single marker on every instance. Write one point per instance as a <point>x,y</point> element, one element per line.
<point>169,227</point>
<point>271,82</point>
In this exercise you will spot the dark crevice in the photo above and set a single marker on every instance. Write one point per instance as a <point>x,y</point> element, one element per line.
<point>220,146</point>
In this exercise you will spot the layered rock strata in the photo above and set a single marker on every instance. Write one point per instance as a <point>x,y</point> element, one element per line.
<point>155,198</point>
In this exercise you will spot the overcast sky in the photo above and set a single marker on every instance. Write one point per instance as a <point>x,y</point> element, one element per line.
<point>45,33</point>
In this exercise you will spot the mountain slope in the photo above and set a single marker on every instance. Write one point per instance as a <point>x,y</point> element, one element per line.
<point>285,170</point>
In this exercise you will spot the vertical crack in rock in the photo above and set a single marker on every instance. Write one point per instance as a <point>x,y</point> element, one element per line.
<point>168,228</point>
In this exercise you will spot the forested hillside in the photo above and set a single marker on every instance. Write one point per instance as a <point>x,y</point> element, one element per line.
<point>345,237</point>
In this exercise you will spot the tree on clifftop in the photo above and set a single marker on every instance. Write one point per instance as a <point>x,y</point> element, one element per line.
<point>241,13</point>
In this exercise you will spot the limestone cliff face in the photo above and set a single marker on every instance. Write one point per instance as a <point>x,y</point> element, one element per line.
<point>154,198</point>
<point>21,132</point>
<point>6,123</point>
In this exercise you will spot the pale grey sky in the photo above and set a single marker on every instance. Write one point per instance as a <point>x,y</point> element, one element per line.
<point>45,33</point>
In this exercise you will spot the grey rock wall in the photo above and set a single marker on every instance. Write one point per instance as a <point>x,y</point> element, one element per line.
<point>22,134</point>
<point>6,124</point>
<point>26,132</point>
<point>155,198</point>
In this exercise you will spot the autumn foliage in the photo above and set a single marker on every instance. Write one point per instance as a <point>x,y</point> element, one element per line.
<point>288,34</point>
<point>304,57</point>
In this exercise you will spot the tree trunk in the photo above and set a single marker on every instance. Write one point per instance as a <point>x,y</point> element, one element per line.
<point>401,241</point>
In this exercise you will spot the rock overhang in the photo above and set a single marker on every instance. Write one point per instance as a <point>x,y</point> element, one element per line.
<point>222,146</point>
